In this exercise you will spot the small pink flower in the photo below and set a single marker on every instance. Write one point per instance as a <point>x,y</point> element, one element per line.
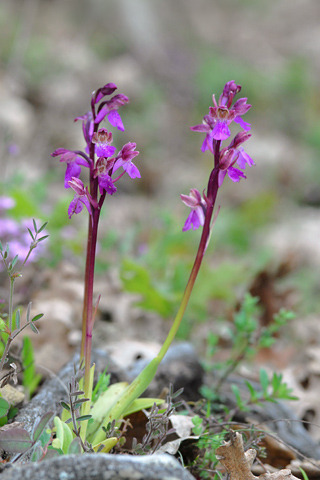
<point>73,161</point>
<point>102,138</point>
<point>81,197</point>
<point>124,160</point>
<point>198,208</point>
<point>109,109</point>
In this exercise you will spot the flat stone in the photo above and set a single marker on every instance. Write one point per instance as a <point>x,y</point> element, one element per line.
<point>100,466</point>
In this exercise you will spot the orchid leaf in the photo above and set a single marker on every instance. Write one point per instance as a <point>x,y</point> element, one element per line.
<point>142,404</point>
<point>108,443</point>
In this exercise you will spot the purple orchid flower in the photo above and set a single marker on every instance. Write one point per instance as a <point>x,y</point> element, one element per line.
<point>198,208</point>
<point>223,116</point>
<point>102,138</point>
<point>242,158</point>
<point>216,124</point>
<point>102,170</point>
<point>124,160</point>
<point>107,89</point>
<point>109,109</point>
<point>81,197</point>
<point>87,127</point>
<point>74,162</point>
<point>206,126</point>
<point>228,158</point>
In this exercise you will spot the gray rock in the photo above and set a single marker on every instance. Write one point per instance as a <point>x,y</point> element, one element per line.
<point>100,466</point>
<point>279,417</point>
<point>54,390</point>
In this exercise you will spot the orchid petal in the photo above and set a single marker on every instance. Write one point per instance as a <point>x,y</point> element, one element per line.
<point>115,120</point>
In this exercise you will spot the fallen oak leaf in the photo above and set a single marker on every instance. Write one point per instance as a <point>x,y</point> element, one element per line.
<point>238,463</point>
<point>235,460</point>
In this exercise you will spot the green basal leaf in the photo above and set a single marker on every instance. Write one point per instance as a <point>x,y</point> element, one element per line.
<point>103,403</point>
<point>106,445</point>
<point>142,404</point>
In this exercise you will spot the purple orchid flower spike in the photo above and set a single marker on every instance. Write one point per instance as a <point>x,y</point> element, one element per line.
<point>82,197</point>
<point>102,161</point>
<point>124,160</point>
<point>215,125</point>
<point>198,209</point>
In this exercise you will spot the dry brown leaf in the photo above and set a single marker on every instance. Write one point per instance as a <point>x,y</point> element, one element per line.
<point>238,463</point>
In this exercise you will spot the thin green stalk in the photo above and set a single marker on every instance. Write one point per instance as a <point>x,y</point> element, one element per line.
<point>212,194</point>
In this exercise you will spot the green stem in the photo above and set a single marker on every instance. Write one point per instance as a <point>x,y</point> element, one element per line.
<point>212,194</point>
